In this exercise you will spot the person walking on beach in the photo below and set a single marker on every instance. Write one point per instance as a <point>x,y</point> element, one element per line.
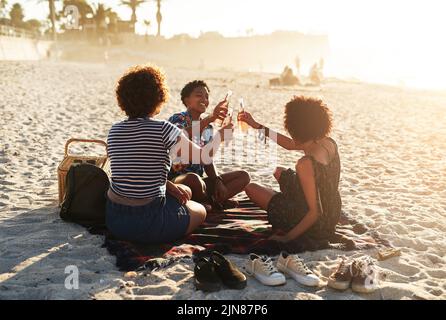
<point>215,190</point>
<point>309,204</point>
<point>142,205</point>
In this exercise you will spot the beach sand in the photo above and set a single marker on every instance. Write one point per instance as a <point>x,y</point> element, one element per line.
<point>393,154</point>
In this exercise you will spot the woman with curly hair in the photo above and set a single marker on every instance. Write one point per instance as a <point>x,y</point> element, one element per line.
<point>309,205</point>
<point>142,206</point>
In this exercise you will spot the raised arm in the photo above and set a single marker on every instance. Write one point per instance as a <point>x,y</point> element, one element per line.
<point>282,140</point>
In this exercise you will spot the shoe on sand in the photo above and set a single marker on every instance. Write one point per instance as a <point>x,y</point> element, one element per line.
<point>228,272</point>
<point>263,270</point>
<point>365,276</point>
<point>295,267</point>
<point>206,278</point>
<point>342,277</point>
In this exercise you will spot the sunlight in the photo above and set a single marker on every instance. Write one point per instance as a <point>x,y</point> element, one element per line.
<point>30,261</point>
<point>381,41</point>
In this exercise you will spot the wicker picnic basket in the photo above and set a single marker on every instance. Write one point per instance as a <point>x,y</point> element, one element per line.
<point>69,159</point>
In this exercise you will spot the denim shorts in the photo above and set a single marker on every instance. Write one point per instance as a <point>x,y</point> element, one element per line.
<point>162,220</point>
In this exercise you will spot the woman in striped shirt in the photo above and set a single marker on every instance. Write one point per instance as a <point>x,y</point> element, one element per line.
<point>142,205</point>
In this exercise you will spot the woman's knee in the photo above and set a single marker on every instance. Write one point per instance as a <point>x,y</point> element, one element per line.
<point>197,214</point>
<point>194,181</point>
<point>244,177</point>
<point>278,172</point>
<point>196,210</point>
<point>192,177</point>
<point>251,187</point>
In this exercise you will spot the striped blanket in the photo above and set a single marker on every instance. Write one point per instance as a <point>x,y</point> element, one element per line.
<point>242,230</point>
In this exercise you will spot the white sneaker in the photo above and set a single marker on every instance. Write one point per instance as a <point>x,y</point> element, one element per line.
<point>262,269</point>
<point>295,267</point>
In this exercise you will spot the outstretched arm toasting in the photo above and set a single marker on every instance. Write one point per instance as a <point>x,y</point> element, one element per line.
<point>280,139</point>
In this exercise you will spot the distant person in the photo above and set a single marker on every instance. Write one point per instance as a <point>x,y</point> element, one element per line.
<point>297,64</point>
<point>214,189</point>
<point>308,206</point>
<point>142,205</point>
<point>287,78</point>
<point>106,56</point>
<point>315,75</point>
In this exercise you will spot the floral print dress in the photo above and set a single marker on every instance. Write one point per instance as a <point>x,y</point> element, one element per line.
<point>183,120</point>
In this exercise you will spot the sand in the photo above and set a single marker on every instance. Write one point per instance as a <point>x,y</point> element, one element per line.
<point>393,155</point>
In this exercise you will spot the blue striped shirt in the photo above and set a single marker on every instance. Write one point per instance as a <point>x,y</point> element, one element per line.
<point>139,156</point>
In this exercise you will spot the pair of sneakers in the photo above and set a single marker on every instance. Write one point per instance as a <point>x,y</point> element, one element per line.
<point>263,269</point>
<point>210,273</point>
<point>358,273</point>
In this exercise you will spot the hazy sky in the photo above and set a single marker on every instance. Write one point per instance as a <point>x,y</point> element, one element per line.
<point>407,36</point>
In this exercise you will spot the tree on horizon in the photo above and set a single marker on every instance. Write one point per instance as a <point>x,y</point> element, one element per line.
<point>100,15</point>
<point>133,5</point>
<point>16,14</point>
<point>52,16</point>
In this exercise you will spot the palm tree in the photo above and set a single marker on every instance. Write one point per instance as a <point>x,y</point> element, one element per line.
<point>113,21</point>
<point>100,16</point>
<point>133,5</point>
<point>52,17</point>
<point>16,15</point>
<point>159,17</point>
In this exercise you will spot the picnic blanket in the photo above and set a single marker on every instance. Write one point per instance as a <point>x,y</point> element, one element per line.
<point>242,230</point>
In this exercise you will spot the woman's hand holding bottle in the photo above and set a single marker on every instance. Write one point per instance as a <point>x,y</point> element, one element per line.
<point>247,118</point>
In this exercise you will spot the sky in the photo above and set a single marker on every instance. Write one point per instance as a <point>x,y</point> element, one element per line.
<point>400,41</point>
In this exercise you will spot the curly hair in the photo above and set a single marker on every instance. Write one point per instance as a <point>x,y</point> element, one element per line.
<point>190,87</point>
<point>142,91</point>
<point>307,119</point>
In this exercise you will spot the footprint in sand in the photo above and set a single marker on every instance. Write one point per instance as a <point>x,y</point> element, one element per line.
<point>403,269</point>
<point>439,274</point>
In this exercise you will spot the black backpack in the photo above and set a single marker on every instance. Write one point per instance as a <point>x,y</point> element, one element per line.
<point>85,195</point>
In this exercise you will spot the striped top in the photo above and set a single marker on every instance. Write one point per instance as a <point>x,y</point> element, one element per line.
<point>139,156</point>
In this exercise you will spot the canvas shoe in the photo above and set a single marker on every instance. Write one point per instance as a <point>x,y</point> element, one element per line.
<point>364,275</point>
<point>263,270</point>
<point>341,278</point>
<point>295,267</point>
